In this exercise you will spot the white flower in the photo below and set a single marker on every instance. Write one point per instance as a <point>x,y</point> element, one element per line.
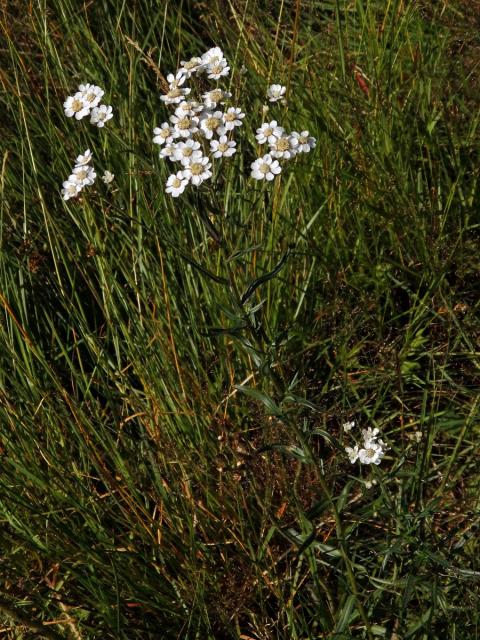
<point>108,177</point>
<point>91,94</point>
<point>190,66</point>
<point>184,126</point>
<point>275,92</point>
<point>352,453</point>
<point>370,434</point>
<point>175,81</point>
<point>265,168</point>
<point>101,114</point>
<point>210,123</point>
<point>305,141</point>
<point>83,159</point>
<point>188,108</point>
<point>214,97</point>
<point>168,151</point>
<point>348,426</point>
<point>175,95</point>
<point>76,106</point>
<point>284,147</point>
<point>70,189</point>
<point>231,118</point>
<point>222,147</point>
<point>198,170</point>
<point>213,56</point>
<point>372,450</point>
<point>84,175</point>
<point>218,70</point>
<point>269,132</point>
<point>372,454</point>
<point>176,184</point>
<point>183,151</point>
<point>163,134</point>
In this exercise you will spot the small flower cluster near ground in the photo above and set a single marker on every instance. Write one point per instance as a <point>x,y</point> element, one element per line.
<point>372,450</point>
<point>199,130</point>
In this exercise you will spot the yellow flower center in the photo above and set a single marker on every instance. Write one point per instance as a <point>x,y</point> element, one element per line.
<point>174,93</point>
<point>282,145</point>
<point>77,105</point>
<point>216,95</point>
<point>196,168</point>
<point>184,124</point>
<point>223,146</point>
<point>187,151</point>
<point>176,183</point>
<point>212,123</point>
<point>264,167</point>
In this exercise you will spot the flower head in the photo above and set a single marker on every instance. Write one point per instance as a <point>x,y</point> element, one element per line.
<point>190,66</point>
<point>83,175</point>
<point>163,134</point>
<point>190,108</point>
<point>198,170</point>
<point>275,92</point>
<point>175,95</point>
<point>70,189</point>
<point>269,132</point>
<point>184,126</point>
<point>175,81</point>
<point>168,150</point>
<point>210,123</point>
<point>108,177</point>
<point>218,70</point>
<point>100,115</point>
<point>222,147</point>
<point>213,56</point>
<point>214,97</point>
<point>91,94</point>
<point>305,141</point>
<point>76,106</point>
<point>184,151</point>
<point>284,147</point>
<point>176,184</point>
<point>232,118</point>
<point>265,168</point>
<point>84,158</point>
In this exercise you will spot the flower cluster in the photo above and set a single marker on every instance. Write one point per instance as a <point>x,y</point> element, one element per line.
<point>82,175</point>
<point>86,102</point>
<point>283,146</point>
<point>371,452</point>
<point>198,129</point>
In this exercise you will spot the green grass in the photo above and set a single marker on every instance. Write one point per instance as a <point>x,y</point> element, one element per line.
<point>172,461</point>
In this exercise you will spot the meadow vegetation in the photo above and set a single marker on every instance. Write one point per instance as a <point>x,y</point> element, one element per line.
<point>176,373</point>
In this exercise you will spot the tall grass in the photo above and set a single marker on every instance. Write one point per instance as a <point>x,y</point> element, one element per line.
<point>172,453</point>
